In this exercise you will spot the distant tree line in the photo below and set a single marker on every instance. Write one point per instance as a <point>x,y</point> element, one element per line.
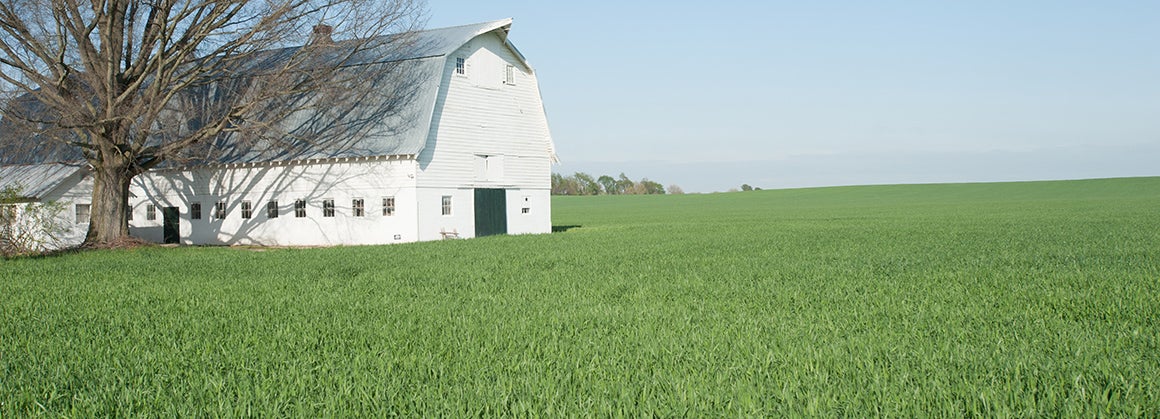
<point>581,183</point>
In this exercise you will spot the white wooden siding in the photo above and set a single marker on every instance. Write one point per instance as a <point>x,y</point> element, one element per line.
<point>73,190</point>
<point>432,222</point>
<point>539,215</point>
<point>480,114</point>
<point>341,181</point>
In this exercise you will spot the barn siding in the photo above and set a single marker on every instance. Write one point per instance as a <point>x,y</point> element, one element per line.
<point>341,182</point>
<point>432,222</point>
<point>538,218</point>
<point>479,114</point>
<point>75,189</point>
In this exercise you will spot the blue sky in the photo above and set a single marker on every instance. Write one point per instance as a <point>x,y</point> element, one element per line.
<point>710,95</point>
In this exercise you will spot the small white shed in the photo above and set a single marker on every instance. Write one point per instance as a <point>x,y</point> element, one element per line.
<point>67,186</point>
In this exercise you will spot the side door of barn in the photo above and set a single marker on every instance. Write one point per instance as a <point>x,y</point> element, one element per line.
<point>171,225</point>
<point>490,212</point>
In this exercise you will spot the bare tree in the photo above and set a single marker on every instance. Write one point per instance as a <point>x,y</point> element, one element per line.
<point>127,85</point>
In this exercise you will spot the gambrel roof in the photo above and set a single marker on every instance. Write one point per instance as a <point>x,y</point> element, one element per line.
<point>404,130</point>
<point>401,132</point>
<point>443,41</point>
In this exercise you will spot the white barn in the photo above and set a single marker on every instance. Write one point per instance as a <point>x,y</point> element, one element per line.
<point>470,156</point>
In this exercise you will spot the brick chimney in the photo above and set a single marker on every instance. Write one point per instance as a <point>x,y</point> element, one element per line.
<point>321,35</point>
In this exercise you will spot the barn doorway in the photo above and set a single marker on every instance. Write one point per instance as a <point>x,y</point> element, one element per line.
<point>490,212</point>
<point>171,230</point>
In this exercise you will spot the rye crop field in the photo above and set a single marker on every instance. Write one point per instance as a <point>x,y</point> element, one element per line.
<point>1013,299</point>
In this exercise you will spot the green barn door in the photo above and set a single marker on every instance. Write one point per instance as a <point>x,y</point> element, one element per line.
<point>490,212</point>
<point>171,229</point>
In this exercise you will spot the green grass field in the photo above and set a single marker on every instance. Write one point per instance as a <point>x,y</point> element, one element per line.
<point>1013,299</point>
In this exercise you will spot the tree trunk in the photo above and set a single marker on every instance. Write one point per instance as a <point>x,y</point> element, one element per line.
<point>109,221</point>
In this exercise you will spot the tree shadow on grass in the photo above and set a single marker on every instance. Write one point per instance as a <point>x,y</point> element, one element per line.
<point>121,244</point>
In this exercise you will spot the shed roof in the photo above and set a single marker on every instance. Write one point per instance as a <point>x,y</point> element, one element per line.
<point>35,181</point>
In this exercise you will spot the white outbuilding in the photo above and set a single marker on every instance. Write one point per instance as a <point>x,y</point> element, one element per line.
<point>468,156</point>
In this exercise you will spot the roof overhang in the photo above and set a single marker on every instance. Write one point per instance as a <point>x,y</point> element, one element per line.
<point>34,182</point>
<point>294,162</point>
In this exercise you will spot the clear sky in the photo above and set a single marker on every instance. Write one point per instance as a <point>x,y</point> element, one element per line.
<point>712,94</point>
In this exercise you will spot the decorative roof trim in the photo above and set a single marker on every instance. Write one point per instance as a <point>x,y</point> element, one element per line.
<point>294,162</point>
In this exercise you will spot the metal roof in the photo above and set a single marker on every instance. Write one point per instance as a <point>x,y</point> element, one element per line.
<point>427,43</point>
<point>378,125</point>
<point>443,41</point>
<point>381,128</point>
<point>34,181</point>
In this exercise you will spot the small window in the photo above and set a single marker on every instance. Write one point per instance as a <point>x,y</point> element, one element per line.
<point>300,208</point>
<point>219,210</point>
<point>356,206</point>
<point>510,75</point>
<point>272,209</point>
<point>446,204</point>
<point>129,213</point>
<point>83,213</point>
<point>388,206</point>
<point>151,212</point>
<point>327,207</point>
<point>460,65</point>
<point>195,211</point>
<point>525,210</point>
<point>247,210</point>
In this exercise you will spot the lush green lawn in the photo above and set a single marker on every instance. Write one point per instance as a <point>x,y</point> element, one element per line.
<point>989,299</point>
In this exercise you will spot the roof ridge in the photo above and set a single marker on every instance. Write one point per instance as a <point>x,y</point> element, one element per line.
<point>508,20</point>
